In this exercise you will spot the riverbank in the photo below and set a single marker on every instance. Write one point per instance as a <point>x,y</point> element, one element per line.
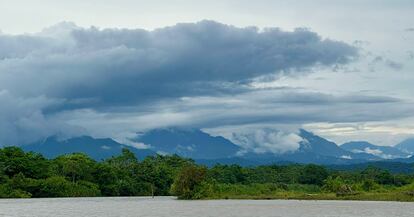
<point>398,197</point>
<point>301,192</point>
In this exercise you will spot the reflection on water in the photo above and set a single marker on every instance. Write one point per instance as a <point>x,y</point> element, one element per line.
<point>167,206</point>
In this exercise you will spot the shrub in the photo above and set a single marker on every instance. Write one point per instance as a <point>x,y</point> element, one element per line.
<point>369,185</point>
<point>333,184</point>
<point>7,191</point>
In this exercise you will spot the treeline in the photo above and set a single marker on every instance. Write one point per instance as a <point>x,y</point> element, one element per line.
<point>292,182</point>
<point>77,175</point>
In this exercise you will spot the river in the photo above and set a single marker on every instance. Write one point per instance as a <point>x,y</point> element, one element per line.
<point>169,207</point>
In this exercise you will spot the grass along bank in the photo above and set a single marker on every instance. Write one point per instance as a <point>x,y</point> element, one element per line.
<point>302,192</point>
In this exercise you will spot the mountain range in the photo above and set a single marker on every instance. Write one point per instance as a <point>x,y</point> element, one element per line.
<point>190,143</point>
<point>384,152</point>
<point>98,149</point>
<point>209,150</point>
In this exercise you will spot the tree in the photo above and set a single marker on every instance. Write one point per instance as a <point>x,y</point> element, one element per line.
<point>228,174</point>
<point>188,180</point>
<point>378,175</point>
<point>126,160</point>
<point>75,167</point>
<point>118,176</point>
<point>3,177</point>
<point>313,174</point>
<point>13,160</point>
<point>160,171</point>
<point>107,178</point>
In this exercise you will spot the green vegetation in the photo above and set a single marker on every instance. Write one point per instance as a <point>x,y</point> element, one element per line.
<point>25,175</point>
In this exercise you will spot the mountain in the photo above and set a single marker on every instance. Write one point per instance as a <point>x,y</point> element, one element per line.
<point>314,149</point>
<point>191,143</point>
<point>385,152</point>
<point>209,150</point>
<point>403,160</point>
<point>98,149</point>
<point>198,145</point>
<point>406,145</point>
<point>301,157</point>
<point>315,144</point>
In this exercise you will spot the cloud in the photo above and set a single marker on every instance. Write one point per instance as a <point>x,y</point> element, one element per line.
<point>267,140</point>
<point>22,119</point>
<point>288,106</point>
<point>246,114</point>
<point>61,78</point>
<point>375,152</point>
<point>410,55</point>
<point>394,65</point>
<point>384,133</point>
<point>262,108</point>
<point>120,66</point>
<point>386,62</point>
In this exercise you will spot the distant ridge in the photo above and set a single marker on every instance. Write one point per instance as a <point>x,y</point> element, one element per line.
<point>98,149</point>
<point>209,150</point>
<point>191,143</point>
<point>315,149</point>
<point>406,145</point>
<point>384,152</point>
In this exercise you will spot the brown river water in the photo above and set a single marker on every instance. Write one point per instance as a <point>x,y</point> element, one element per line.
<point>170,207</point>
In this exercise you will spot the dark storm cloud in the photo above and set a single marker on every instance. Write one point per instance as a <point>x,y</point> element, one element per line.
<point>132,66</point>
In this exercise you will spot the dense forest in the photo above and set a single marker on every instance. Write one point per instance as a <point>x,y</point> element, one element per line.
<point>28,174</point>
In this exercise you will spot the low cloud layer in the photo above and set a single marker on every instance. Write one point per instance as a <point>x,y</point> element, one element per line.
<point>267,141</point>
<point>22,120</point>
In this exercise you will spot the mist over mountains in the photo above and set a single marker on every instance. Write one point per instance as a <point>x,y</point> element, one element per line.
<point>208,149</point>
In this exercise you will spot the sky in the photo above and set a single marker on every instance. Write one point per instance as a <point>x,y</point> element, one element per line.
<point>253,71</point>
